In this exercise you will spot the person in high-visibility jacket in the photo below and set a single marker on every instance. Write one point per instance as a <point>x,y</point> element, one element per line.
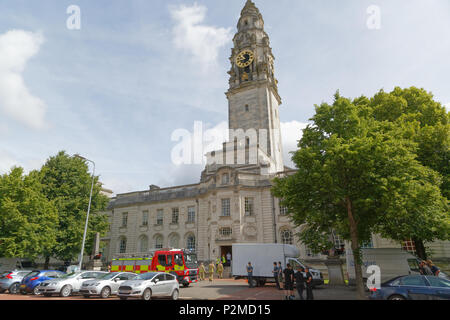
<point>220,270</point>
<point>211,269</point>
<point>201,271</point>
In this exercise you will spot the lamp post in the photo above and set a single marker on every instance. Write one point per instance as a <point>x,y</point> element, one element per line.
<point>89,208</point>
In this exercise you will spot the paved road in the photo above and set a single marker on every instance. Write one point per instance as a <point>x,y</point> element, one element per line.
<point>220,290</point>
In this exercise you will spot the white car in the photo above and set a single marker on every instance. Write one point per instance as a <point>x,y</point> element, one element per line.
<point>106,285</point>
<point>67,284</point>
<point>151,284</point>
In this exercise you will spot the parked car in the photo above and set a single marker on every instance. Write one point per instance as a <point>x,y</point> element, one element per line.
<point>32,280</point>
<point>10,280</point>
<point>151,284</point>
<point>106,285</point>
<point>415,287</point>
<point>68,284</point>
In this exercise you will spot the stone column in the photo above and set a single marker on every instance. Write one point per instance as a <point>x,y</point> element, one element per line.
<point>335,272</point>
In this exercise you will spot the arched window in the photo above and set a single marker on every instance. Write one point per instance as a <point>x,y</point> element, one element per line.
<point>143,243</point>
<point>287,237</point>
<point>174,241</point>
<point>158,242</point>
<point>190,242</point>
<point>122,245</point>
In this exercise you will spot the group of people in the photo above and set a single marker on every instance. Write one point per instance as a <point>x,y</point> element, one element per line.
<point>214,268</point>
<point>428,268</point>
<point>302,278</point>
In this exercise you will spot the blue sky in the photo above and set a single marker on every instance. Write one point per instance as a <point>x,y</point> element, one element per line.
<point>115,90</point>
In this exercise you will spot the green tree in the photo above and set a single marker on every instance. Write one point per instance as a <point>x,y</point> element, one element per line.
<point>27,218</point>
<point>67,182</point>
<point>354,174</point>
<point>429,127</point>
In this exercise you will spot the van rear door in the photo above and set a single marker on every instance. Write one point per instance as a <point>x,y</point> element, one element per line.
<point>413,266</point>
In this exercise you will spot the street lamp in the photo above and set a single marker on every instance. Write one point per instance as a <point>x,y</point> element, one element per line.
<point>89,208</point>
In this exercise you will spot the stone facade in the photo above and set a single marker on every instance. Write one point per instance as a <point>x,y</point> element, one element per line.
<point>232,202</point>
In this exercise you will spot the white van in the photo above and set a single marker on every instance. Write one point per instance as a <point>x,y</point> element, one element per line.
<point>262,256</point>
<point>393,262</point>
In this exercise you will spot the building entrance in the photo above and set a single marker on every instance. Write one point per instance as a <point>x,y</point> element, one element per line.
<point>227,252</point>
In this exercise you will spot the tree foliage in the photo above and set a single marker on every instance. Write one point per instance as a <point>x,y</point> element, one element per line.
<point>359,175</point>
<point>27,218</point>
<point>67,182</point>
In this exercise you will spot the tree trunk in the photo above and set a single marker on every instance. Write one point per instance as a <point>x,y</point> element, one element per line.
<point>356,251</point>
<point>47,262</point>
<point>420,249</point>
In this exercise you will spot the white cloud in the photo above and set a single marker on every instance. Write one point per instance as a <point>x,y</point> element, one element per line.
<point>16,48</point>
<point>202,41</point>
<point>291,133</point>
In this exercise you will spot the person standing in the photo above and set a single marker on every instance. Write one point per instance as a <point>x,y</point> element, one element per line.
<point>220,270</point>
<point>424,269</point>
<point>201,271</point>
<point>280,272</point>
<point>289,282</point>
<point>211,270</point>
<point>300,282</point>
<point>434,270</point>
<point>309,285</point>
<point>229,259</point>
<point>276,275</point>
<point>250,274</point>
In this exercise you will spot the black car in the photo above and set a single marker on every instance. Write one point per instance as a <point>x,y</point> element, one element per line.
<point>416,287</point>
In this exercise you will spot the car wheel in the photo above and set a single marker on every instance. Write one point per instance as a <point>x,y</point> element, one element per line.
<point>396,297</point>
<point>175,294</point>
<point>253,283</point>
<point>36,291</point>
<point>14,288</point>
<point>105,293</point>
<point>65,291</point>
<point>147,295</point>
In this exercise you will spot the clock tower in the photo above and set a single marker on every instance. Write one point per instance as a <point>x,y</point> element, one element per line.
<point>253,99</point>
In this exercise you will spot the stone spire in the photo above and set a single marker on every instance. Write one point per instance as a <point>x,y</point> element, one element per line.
<point>251,36</point>
<point>250,17</point>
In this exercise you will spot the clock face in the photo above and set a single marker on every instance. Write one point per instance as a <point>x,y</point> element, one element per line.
<point>245,58</point>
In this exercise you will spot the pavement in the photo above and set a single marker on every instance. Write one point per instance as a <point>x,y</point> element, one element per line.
<point>221,289</point>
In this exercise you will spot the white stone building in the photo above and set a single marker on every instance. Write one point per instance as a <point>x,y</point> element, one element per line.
<point>232,202</point>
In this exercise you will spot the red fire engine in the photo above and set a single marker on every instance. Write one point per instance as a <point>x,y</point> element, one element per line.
<point>180,262</point>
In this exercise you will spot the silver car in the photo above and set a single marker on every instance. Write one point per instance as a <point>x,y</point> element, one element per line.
<point>68,284</point>
<point>10,280</point>
<point>106,285</point>
<point>148,285</point>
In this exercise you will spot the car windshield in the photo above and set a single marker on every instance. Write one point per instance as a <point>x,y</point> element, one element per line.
<point>191,260</point>
<point>33,274</point>
<point>145,276</point>
<point>108,276</point>
<point>70,275</point>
